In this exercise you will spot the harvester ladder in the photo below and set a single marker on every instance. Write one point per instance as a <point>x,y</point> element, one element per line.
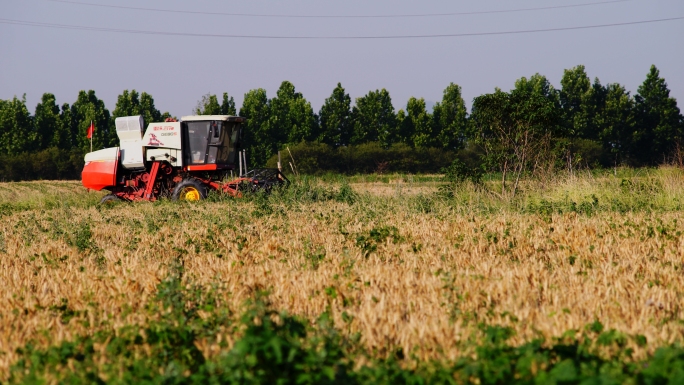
<point>150,181</point>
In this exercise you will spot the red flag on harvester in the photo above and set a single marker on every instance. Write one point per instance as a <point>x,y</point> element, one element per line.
<point>89,134</point>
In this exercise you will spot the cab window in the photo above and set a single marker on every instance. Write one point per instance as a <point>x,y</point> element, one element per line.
<point>197,140</point>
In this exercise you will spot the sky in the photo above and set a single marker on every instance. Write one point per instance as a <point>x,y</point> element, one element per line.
<point>195,49</point>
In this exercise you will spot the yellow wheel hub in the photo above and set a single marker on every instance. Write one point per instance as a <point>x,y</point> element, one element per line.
<point>190,194</point>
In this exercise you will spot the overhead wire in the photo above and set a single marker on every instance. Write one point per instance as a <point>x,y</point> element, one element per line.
<point>340,16</point>
<point>237,36</point>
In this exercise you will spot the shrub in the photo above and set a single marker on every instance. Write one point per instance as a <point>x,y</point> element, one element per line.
<point>318,158</point>
<point>459,172</point>
<point>310,158</point>
<point>51,163</point>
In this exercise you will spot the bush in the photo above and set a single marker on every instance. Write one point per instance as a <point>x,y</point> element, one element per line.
<point>579,153</point>
<point>52,163</point>
<point>309,158</point>
<point>459,172</point>
<point>319,158</point>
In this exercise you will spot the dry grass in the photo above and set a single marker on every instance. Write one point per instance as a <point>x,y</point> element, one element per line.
<point>424,290</point>
<point>395,188</point>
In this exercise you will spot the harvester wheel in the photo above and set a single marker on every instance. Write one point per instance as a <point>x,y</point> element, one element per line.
<point>109,199</point>
<point>189,190</point>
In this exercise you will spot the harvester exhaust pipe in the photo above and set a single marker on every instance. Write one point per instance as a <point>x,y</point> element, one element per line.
<point>242,162</point>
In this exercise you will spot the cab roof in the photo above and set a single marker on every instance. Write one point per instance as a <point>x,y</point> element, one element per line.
<point>225,118</point>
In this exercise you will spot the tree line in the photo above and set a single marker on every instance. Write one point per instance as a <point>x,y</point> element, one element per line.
<point>583,123</point>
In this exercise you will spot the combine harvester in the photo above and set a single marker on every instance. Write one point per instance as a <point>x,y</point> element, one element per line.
<point>178,160</point>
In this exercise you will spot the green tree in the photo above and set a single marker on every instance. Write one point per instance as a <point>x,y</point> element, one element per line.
<point>417,128</point>
<point>127,104</point>
<point>17,132</point>
<point>575,96</point>
<point>131,104</point>
<point>207,105</point>
<point>593,105</point>
<point>615,121</point>
<point>538,85</point>
<point>228,105</point>
<point>450,119</point>
<point>335,118</point>
<point>291,117</point>
<point>374,119</point>
<point>658,120</point>
<point>86,109</point>
<point>514,129</point>
<point>403,132</point>
<point>257,138</point>
<point>66,121</point>
<point>578,141</point>
<point>148,110</point>
<point>49,128</point>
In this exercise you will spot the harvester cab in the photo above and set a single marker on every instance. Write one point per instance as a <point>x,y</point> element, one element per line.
<point>205,142</point>
<point>214,141</point>
<point>180,160</point>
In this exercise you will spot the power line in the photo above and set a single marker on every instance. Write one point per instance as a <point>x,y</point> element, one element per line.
<point>341,16</point>
<point>165,33</point>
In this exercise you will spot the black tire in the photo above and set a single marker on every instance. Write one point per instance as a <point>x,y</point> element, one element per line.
<point>109,199</point>
<point>189,190</point>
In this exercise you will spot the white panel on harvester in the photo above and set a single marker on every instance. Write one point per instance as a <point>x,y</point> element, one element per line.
<point>129,129</point>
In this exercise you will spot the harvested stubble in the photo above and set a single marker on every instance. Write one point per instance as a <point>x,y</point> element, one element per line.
<point>400,276</point>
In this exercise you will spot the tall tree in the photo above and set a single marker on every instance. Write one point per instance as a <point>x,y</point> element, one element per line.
<point>49,129</point>
<point>374,119</point>
<point>335,118</point>
<point>537,85</point>
<point>658,119</point>
<point>131,103</point>
<point>575,96</point>
<point>228,105</point>
<point>593,106</point>
<point>257,138</point>
<point>66,121</point>
<point>148,110</point>
<point>17,132</point>
<point>513,128</point>
<point>405,128</point>
<point>418,123</point>
<point>86,109</point>
<point>450,119</point>
<point>614,121</point>
<point>127,104</point>
<point>208,105</point>
<point>292,119</point>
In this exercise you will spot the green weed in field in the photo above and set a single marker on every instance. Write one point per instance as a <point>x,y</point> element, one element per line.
<point>377,235</point>
<point>276,348</point>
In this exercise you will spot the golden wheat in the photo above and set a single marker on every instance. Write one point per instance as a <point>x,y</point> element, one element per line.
<point>424,290</point>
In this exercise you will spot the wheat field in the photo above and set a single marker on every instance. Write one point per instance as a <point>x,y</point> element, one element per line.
<point>403,264</point>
